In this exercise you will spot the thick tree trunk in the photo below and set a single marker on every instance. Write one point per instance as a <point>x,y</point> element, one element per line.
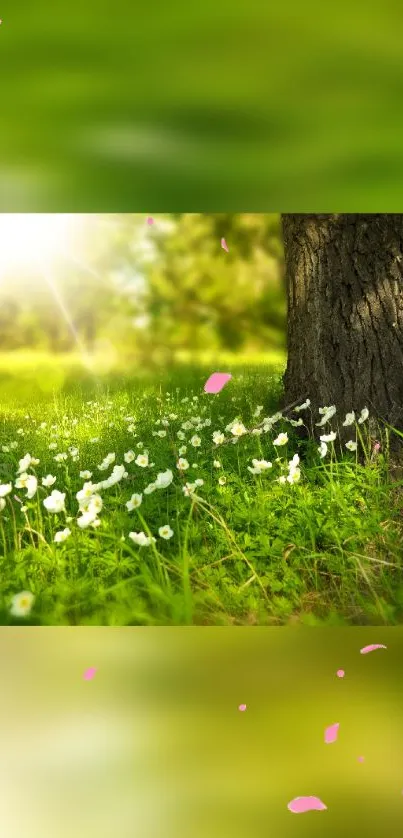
<point>344,276</point>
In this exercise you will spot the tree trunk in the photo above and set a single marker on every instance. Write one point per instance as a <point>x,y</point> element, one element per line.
<point>345,313</point>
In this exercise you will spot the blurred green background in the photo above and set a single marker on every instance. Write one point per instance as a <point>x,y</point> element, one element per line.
<point>167,106</point>
<point>155,744</point>
<point>110,290</point>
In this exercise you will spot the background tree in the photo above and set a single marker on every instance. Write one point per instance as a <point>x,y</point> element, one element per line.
<point>345,312</point>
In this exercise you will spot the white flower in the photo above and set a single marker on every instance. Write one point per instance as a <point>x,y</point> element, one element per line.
<point>94,439</point>
<point>294,475</point>
<point>150,488</point>
<point>164,479</point>
<point>5,449</point>
<point>5,489</point>
<point>22,481</point>
<point>129,456</point>
<point>322,449</point>
<point>24,463</point>
<point>86,475</point>
<point>109,459</point>
<point>86,519</point>
<point>181,435</point>
<point>328,437</point>
<point>49,480</point>
<point>364,415</point>
<point>303,406</point>
<point>95,504</point>
<point>161,434</point>
<point>55,501</point>
<point>238,429</point>
<point>84,495</point>
<point>182,450</point>
<point>327,413</point>
<point>222,480</point>
<point>351,445</point>
<point>188,489</point>
<point>142,460</point>
<point>140,538</point>
<point>349,420</point>
<point>2,504</point>
<point>199,482</point>
<point>218,437</point>
<point>182,464</point>
<point>165,531</point>
<point>31,485</point>
<point>60,457</point>
<point>259,466</point>
<point>134,502</point>
<point>21,604</point>
<point>282,479</point>
<point>118,473</point>
<point>282,439</point>
<point>257,431</point>
<point>52,446</point>
<point>296,423</point>
<point>294,461</point>
<point>195,441</point>
<point>62,535</point>
<point>216,464</point>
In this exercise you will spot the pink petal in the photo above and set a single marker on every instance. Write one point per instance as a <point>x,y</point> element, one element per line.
<point>371,647</point>
<point>305,804</point>
<point>216,382</point>
<point>89,673</point>
<point>340,673</point>
<point>224,245</point>
<point>242,707</point>
<point>331,733</point>
<point>150,220</point>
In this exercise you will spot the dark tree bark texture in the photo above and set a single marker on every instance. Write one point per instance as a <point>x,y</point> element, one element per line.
<point>344,278</point>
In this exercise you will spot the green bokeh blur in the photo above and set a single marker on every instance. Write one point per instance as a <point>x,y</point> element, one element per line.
<point>155,745</point>
<point>166,106</point>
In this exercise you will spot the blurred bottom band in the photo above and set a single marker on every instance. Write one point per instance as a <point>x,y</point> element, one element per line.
<point>160,732</point>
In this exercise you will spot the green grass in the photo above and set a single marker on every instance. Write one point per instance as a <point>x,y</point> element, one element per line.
<point>327,549</point>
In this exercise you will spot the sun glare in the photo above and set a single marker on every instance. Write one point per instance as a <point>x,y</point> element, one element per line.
<point>31,240</point>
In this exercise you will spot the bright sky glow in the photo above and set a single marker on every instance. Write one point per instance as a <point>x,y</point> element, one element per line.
<point>30,239</point>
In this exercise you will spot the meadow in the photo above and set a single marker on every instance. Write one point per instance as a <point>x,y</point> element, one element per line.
<point>132,498</point>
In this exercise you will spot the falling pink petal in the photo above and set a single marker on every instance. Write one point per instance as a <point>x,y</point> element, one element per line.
<point>224,245</point>
<point>331,733</point>
<point>305,804</point>
<point>216,382</point>
<point>242,707</point>
<point>340,673</point>
<point>371,648</point>
<point>360,759</point>
<point>150,220</point>
<point>89,673</point>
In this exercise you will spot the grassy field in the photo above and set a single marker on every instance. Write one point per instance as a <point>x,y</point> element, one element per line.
<point>321,545</point>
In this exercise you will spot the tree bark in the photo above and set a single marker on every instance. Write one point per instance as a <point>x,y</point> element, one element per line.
<point>344,278</point>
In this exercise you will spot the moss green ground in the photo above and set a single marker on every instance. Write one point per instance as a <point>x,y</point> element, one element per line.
<point>327,549</point>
